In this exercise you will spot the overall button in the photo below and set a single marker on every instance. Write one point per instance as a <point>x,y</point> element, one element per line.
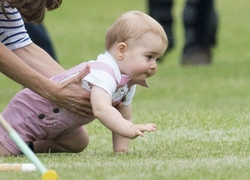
<point>41,116</point>
<point>56,110</point>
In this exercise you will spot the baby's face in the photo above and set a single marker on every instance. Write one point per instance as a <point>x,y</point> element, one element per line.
<point>142,56</point>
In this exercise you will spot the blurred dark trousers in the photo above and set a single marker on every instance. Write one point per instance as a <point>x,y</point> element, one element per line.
<point>40,37</point>
<point>199,19</point>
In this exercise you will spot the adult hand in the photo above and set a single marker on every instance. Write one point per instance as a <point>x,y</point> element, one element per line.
<point>70,95</point>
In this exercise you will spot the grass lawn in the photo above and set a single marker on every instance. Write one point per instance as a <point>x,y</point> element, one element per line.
<point>202,113</point>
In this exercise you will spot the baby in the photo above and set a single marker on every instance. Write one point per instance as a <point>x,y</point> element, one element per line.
<point>134,44</point>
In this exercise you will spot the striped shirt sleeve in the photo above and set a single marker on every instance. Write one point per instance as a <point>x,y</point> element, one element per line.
<point>12,31</point>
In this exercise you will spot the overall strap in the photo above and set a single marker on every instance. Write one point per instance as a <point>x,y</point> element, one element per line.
<point>104,67</point>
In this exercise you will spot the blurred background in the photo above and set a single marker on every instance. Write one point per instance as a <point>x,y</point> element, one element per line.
<point>201,111</point>
<point>77,30</point>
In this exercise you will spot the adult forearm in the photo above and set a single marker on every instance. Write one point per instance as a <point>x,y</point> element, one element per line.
<point>13,67</point>
<point>39,60</point>
<point>69,94</point>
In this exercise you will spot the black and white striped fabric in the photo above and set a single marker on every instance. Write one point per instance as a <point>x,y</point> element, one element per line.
<point>12,31</point>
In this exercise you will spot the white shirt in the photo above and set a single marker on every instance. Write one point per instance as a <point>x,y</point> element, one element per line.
<point>105,80</point>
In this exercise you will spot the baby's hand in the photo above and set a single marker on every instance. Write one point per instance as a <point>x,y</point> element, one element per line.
<point>139,129</point>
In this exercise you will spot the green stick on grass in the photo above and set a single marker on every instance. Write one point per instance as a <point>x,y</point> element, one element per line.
<point>46,174</point>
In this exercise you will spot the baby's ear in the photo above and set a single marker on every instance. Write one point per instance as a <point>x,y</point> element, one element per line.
<point>121,50</point>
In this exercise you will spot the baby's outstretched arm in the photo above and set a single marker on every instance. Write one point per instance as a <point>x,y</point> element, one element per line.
<point>112,118</point>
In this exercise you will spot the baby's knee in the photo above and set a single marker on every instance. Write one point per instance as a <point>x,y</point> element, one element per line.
<point>80,142</point>
<point>80,146</point>
<point>76,143</point>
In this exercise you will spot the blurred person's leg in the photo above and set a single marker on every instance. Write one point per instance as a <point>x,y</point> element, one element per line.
<point>40,37</point>
<point>200,22</point>
<point>161,11</point>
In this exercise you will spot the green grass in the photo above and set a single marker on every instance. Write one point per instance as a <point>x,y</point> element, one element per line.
<point>202,113</point>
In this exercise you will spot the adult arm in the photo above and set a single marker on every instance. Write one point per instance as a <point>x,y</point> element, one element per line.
<point>39,60</point>
<point>68,94</point>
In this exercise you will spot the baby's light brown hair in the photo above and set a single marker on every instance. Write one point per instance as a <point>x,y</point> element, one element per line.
<point>132,25</point>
